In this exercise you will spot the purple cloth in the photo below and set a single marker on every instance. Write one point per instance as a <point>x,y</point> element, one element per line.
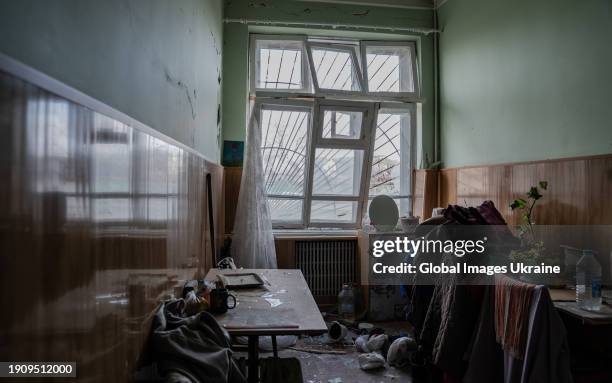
<point>490,214</point>
<point>485,214</point>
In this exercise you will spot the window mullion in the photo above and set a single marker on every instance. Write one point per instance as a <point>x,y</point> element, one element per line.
<point>412,148</point>
<point>335,197</point>
<point>285,196</point>
<point>370,122</point>
<point>313,128</point>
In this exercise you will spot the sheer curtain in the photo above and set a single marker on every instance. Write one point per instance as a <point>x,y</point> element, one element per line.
<point>253,241</point>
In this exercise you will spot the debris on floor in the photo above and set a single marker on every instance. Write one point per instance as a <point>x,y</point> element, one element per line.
<point>282,342</point>
<point>376,342</point>
<point>324,358</point>
<point>371,361</point>
<point>400,351</point>
<point>337,332</point>
<point>317,350</point>
<point>361,343</point>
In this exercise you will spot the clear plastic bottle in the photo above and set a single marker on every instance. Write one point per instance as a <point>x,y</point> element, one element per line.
<point>588,282</point>
<point>346,301</point>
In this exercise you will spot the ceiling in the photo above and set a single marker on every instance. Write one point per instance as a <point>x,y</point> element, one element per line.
<point>414,4</point>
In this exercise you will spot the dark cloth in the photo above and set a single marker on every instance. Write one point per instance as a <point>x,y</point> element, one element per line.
<point>484,214</point>
<point>546,356</point>
<point>423,288</point>
<point>286,370</point>
<point>195,346</point>
<point>445,312</point>
<point>464,215</point>
<point>485,356</point>
<point>449,324</point>
<point>420,298</point>
<point>490,214</point>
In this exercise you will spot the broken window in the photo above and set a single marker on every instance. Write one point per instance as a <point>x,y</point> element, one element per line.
<point>337,122</point>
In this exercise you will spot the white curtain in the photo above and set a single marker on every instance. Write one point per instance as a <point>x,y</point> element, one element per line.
<point>253,241</point>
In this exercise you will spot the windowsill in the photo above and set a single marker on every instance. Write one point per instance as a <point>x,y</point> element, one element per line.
<point>310,233</point>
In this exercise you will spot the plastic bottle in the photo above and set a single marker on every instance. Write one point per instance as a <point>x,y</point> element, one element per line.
<point>346,301</point>
<point>588,282</point>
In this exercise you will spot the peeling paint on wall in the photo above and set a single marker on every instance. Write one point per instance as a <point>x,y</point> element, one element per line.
<point>181,85</point>
<point>361,13</point>
<point>156,61</point>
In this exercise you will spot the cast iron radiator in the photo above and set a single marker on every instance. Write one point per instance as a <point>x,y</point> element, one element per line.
<point>326,264</point>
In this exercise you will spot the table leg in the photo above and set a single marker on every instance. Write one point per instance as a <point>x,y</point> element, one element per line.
<point>274,348</point>
<point>253,359</point>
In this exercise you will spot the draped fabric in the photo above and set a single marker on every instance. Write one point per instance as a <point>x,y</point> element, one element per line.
<point>194,348</point>
<point>253,241</point>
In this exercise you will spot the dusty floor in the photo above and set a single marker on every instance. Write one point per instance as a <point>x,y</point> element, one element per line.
<point>321,368</point>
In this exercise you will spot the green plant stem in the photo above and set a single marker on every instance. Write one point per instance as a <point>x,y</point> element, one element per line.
<point>529,219</point>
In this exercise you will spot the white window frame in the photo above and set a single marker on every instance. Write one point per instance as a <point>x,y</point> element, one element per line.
<point>315,100</point>
<point>254,65</point>
<point>290,105</point>
<point>339,48</point>
<point>363,143</point>
<point>391,95</point>
<point>406,155</point>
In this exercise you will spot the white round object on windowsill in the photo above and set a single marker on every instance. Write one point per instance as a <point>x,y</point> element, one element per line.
<point>383,213</point>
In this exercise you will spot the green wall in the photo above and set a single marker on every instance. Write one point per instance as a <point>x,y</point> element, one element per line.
<point>235,81</point>
<point>236,42</point>
<point>524,80</point>
<point>157,61</point>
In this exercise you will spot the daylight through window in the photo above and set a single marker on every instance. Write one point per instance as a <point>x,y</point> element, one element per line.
<point>337,121</point>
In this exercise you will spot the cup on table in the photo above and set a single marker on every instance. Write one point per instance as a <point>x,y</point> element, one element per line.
<point>220,301</point>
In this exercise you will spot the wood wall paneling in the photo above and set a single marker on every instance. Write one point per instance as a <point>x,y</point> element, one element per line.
<point>578,189</point>
<point>425,192</point>
<point>447,187</point>
<point>99,222</point>
<point>578,195</point>
<point>599,190</point>
<point>231,185</point>
<point>285,253</point>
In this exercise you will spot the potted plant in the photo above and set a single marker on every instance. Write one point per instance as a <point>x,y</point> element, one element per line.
<point>532,250</point>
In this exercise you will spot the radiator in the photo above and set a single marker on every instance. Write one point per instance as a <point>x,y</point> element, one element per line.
<point>326,265</point>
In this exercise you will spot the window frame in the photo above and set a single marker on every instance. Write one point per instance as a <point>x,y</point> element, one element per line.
<point>368,110</point>
<point>316,100</point>
<point>411,109</point>
<point>340,48</point>
<point>364,143</point>
<point>254,65</point>
<point>364,44</point>
<point>290,105</point>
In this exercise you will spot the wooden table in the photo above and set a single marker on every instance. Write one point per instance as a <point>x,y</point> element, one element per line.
<point>565,301</point>
<point>588,336</point>
<point>284,306</point>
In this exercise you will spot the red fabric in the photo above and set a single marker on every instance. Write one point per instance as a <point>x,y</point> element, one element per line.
<point>512,304</point>
<point>448,378</point>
